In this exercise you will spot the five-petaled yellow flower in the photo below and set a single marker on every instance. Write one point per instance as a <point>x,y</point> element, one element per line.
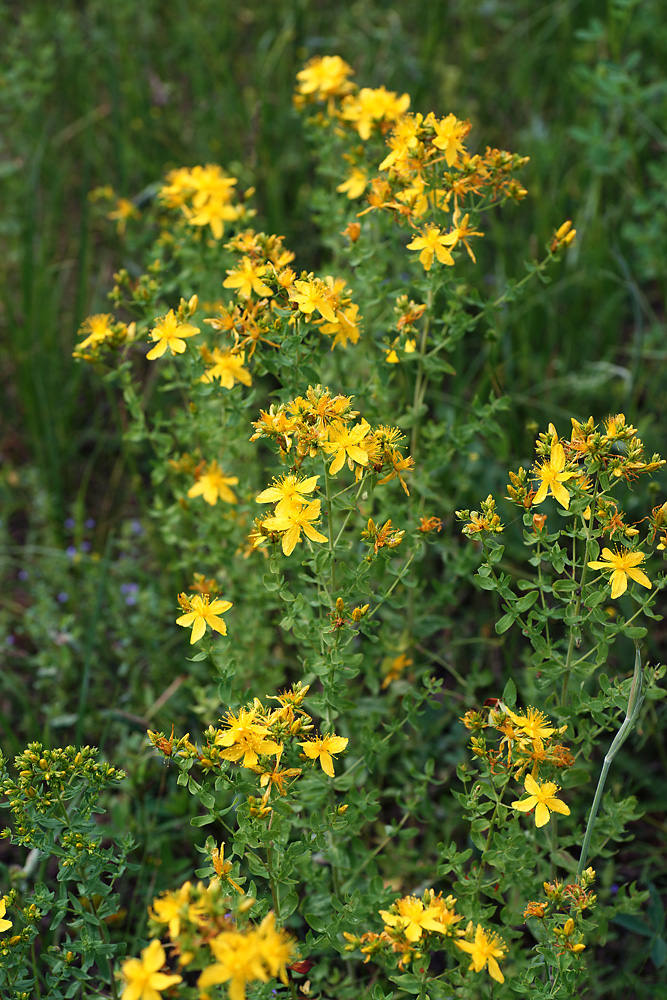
<point>322,747</point>
<point>345,443</point>
<point>412,917</point>
<point>434,241</point>
<point>201,614</point>
<point>287,491</point>
<point>169,333</point>
<point>292,520</point>
<point>213,484</point>
<point>552,476</point>
<point>484,951</point>
<point>623,564</point>
<point>142,978</point>
<point>542,796</point>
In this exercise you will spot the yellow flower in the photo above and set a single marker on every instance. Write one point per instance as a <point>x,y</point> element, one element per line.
<point>533,723</point>
<point>228,367</point>
<point>247,279</point>
<point>448,135</point>
<point>325,76</point>
<point>373,105</point>
<point>169,333</point>
<point>542,796</point>
<point>4,924</point>
<point>484,950</point>
<point>170,907</point>
<point>355,185</point>
<point>345,443</point>
<point>322,747</point>
<point>258,953</point>
<point>214,214</point>
<point>244,737</point>
<point>125,209</point>
<point>292,520</point>
<point>312,295</point>
<point>287,492</point>
<point>239,961</point>
<point>213,484</point>
<point>552,476</point>
<point>345,328</point>
<point>434,241</point>
<point>98,328</point>
<point>203,613</point>
<point>411,918</point>
<point>143,981</point>
<point>623,564</point>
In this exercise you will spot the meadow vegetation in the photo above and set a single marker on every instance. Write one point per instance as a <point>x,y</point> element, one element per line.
<point>333,500</point>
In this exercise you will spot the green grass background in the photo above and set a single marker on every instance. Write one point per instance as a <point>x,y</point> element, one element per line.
<point>93,93</point>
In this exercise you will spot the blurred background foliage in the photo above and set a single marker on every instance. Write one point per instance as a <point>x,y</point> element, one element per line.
<point>95,94</point>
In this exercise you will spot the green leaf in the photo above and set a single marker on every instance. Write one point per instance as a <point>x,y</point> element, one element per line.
<point>202,820</point>
<point>504,623</point>
<point>524,603</point>
<point>509,693</point>
<point>317,923</point>
<point>411,984</point>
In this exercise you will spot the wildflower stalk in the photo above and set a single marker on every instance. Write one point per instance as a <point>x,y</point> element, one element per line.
<point>330,524</point>
<point>350,512</point>
<point>635,701</point>
<point>421,381</point>
<point>580,591</point>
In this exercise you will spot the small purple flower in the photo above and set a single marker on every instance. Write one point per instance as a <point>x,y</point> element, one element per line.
<point>62,597</point>
<point>10,640</point>
<point>89,523</point>
<point>70,523</point>
<point>137,528</point>
<point>85,546</point>
<point>71,551</point>
<point>130,590</point>
<point>23,574</point>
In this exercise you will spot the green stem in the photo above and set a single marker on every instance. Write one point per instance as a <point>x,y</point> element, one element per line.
<point>421,382</point>
<point>577,607</point>
<point>540,587</point>
<point>349,513</point>
<point>396,582</point>
<point>330,523</point>
<point>634,705</point>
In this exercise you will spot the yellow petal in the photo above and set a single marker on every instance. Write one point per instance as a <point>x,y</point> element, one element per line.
<point>639,577</point>
<point>561,494</point>
<point>541,814</point>
<point>494,970</point>
<point>557,806</point>
<point>290,538</point>
<point>198,630</point>
<point>524,805</point>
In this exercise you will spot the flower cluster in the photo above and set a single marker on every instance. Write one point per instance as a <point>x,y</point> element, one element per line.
<point>210,934</point>
<point>415,927</point>
<point>102,333</point>
<point>561,910</point>
<point>485,520</point>
<point>258,738</point>
<point>319,424</point>
<point>528,740</point>
<point>426,171</point>
<point>205,196</point>
<point>47,778</point>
